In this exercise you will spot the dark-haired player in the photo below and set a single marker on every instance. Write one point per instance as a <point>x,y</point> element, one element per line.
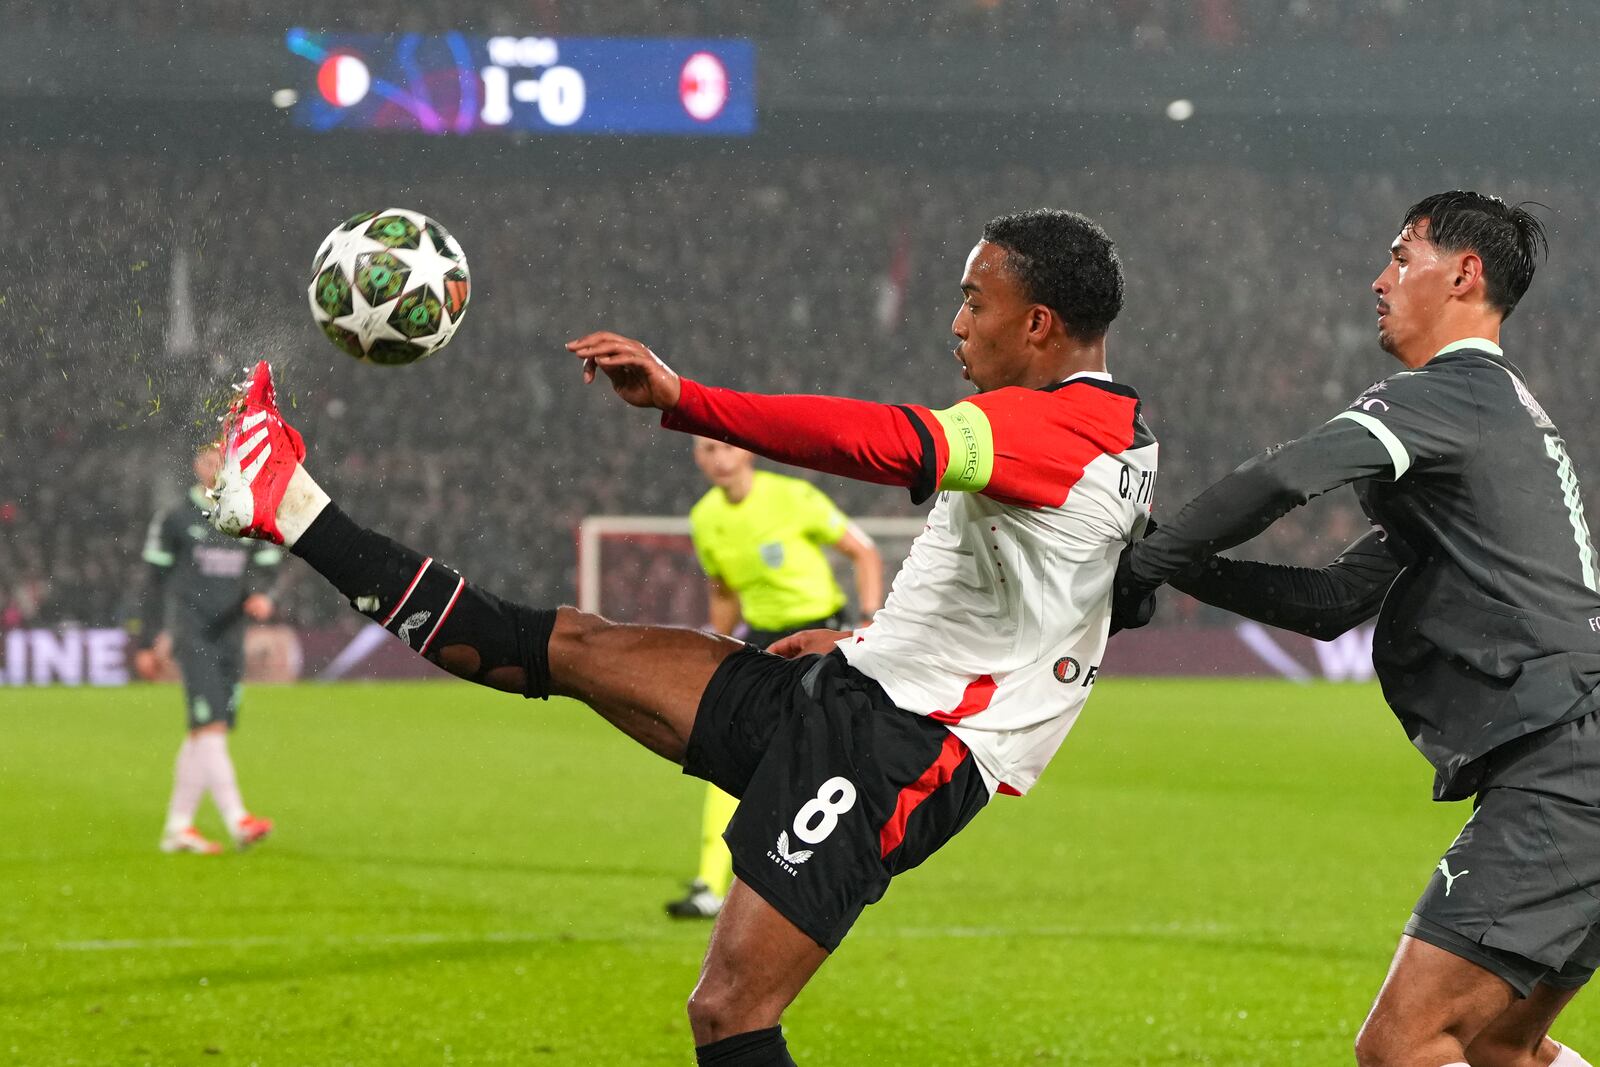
<point>858,763</point>
<point>1488,639</point>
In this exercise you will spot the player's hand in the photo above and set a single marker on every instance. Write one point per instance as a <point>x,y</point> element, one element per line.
<point>806,642</point>
<point>1132,604</point>
<point>258,606</point>
<point>146,664</point>
<point>636,373</point>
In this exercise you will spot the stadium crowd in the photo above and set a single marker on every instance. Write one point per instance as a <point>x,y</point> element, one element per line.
<point>1149,25</point>
<point>1248,320</point>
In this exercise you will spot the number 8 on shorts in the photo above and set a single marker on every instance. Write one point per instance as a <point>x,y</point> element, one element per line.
<point>837,796</point>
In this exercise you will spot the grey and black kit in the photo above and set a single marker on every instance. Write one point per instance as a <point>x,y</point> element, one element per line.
<point>1482,574</point>
<point>199,582</point>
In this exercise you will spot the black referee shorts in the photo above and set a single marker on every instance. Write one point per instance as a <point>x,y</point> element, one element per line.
<point>840,790</point>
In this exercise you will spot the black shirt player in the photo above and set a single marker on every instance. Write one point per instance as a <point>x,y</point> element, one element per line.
<point>200,584</point>
<point>1483,576</point>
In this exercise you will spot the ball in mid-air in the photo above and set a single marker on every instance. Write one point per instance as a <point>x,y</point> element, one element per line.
<point>389,286</point>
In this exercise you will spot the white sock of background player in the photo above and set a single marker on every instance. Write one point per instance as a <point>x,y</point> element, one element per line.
<point>188,785</point>
<point>220,779</point>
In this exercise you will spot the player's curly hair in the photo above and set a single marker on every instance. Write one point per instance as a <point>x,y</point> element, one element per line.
<point>1505,236</point>
<point>1066,262</point>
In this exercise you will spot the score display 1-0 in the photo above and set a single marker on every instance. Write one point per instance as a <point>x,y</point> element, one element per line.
<point>456,83</point>
<point>558,91</point>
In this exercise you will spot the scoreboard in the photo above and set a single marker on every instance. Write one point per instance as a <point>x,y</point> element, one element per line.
<point>456,83</point>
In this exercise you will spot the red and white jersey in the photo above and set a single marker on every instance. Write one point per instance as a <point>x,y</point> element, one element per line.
<point>998,617</point>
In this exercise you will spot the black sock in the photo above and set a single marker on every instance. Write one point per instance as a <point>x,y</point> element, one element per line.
<point>758,1048</point>
<point>430,607</point>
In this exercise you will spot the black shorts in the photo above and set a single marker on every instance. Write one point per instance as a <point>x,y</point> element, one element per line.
<point>1518,893</point>
<point>839,789</point>
<point>211,676</point>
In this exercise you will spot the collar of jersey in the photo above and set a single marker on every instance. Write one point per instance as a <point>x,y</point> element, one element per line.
<point>1084,375</point>
<point>1476,344</point>
<point>1098,379</point>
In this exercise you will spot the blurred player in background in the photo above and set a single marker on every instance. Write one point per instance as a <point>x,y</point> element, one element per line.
<point>1482,573</point>
<point>855,756</point>
<point>759,539</point>
<point>200,585</point>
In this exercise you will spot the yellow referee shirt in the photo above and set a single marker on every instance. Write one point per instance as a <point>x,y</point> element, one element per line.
<point>767,549</point>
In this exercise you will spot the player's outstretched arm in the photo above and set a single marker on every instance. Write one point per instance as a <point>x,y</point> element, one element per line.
<point>1252,498</point>
<point>856,439</point>
<point>1320,602</point>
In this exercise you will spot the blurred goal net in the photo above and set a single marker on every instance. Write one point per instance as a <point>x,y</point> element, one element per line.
<point>642,568</point>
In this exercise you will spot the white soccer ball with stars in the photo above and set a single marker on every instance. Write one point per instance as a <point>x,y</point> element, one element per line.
<point>389,286</point>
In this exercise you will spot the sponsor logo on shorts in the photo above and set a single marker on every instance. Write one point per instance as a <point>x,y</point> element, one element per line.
<point>786,859</point>
<point>1450,879</point>
<point>1067,670</point>
<point>413,621</point>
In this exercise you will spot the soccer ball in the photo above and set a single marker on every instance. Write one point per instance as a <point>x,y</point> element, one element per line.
<point>389,286</point>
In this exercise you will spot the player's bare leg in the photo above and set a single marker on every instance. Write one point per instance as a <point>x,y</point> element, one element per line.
<point>645,680</point>
<point>1432,1006</point>
<point>1520,1036</point>
<point>756,964</point>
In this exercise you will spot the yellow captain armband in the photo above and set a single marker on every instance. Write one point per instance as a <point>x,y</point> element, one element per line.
<point>971,444</point>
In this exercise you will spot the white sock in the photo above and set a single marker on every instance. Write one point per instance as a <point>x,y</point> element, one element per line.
<point>1568,1058</point>
<point>220,779</point>
<point>302,502</point>
<point>188,784</point>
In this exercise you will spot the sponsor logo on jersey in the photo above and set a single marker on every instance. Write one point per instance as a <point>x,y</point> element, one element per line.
<point>785,859</point>
<point>1367,402</point>
<point>772,554</point>
<point>214,562</point>
<point>1067,670</point>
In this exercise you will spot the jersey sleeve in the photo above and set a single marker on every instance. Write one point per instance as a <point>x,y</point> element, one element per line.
<point>1320,602</point>
<point>160,542</point>
<point>1257,494</point>
<point>1425,419</point>
<point>1019,446</point>
<point>1028,447</point>
<point>266,557</point>
<point>819,517</point>
<point>858,439</point>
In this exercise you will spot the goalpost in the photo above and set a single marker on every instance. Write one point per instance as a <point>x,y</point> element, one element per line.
<point>642,568</point>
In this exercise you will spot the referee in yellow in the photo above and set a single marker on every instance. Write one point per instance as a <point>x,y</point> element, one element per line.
<point>759,537</point>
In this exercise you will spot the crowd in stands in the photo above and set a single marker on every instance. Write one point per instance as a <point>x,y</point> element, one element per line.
<point>150,283</point>
<point>1149,25</point>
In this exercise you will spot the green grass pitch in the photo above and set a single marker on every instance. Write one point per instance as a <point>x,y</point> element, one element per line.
<point>1210,873</point>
